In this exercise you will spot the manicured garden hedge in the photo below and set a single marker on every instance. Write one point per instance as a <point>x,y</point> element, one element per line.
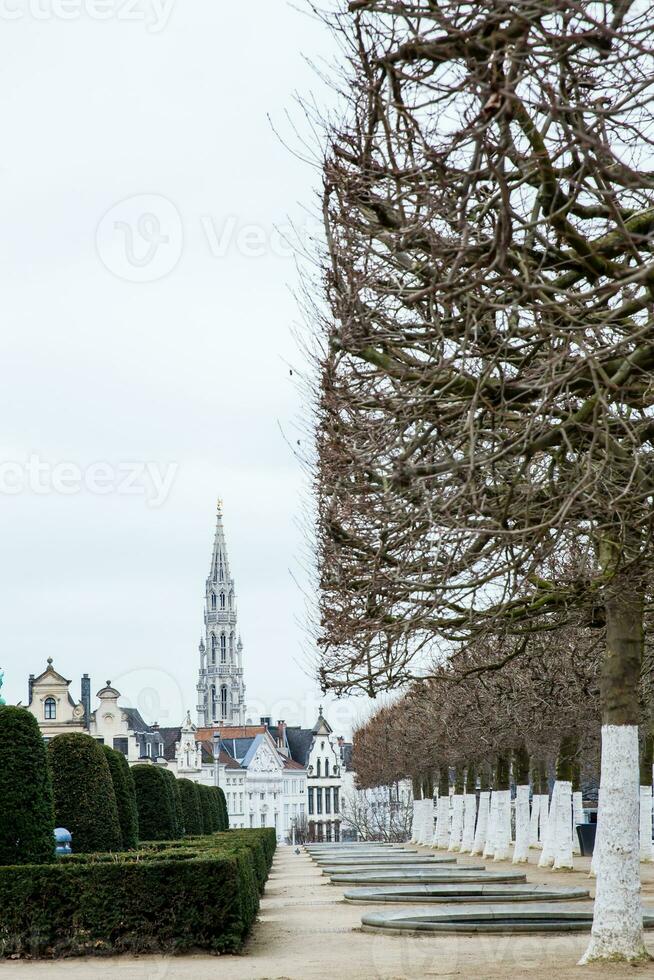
<point>26,811</point>
<point>200,892</point>
<point>155,802</point>
<point>190,797</point>
<point>84,797</point>
<point>121,777</point>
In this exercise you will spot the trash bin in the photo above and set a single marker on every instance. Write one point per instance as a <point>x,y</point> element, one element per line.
<point>586,834</point>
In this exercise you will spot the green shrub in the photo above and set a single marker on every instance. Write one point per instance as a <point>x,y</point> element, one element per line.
<point>214,802</point>
<point>224,816</point>
<point>26,811</point>
<point>84,798</point>
<point>190,797</point>
<point>154,801</point>
<point>198,893</point>
<point>178,810</point>
<point>123,782</point>
<point>208,817</point>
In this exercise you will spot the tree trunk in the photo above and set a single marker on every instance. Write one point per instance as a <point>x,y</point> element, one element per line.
<point>443,824</point>
<point>577,806</point>
<point>456,827</point>
<point>646,850</point>
<point>617,932</point>
<point>417,800</point>
<point>469,811</point>
<point>521,776</point>
<point>568,751</point>
<point>546,859</point>
<point>533,820</point>
<point>502,843</point>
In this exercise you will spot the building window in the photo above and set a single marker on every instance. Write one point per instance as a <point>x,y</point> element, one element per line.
<point>319,799</point>
<point>311,799</point>
<point>318,768</point>
<point>50,709</point>
<point>326,767</point>
<point>223,648</point>
<point>231,646</point>
<point>223,701</point>
<point>213,600</point>
<point>252,820</point>
<point>328,800</point>
<point>148,749</point>
<point>222,600</point>
<point>335,799</point>
<point>263,819</point>
<point>213,649</point>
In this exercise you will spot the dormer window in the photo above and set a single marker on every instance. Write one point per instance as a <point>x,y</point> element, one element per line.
<point>50,709</point>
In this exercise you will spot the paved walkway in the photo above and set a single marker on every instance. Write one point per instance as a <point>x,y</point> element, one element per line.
<point>305,932</point>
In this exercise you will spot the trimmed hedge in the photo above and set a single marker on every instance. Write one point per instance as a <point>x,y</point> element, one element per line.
<point>209,825</point>
<point>222,804</point>
<point>199,893</point>
<point>26,810</point>
<point>178,810</point>
<point>190,797</point>
<point>128,816</point>
<point>154,801</point>
<point>84,798</point>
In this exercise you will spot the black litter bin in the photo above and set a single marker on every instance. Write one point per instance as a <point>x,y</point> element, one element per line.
<point>586,834</point>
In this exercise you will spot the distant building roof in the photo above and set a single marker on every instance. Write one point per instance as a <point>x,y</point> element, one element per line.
<point>135,721</point>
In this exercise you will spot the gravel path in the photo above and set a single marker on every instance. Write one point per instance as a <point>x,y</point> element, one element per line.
<point>305,932</point>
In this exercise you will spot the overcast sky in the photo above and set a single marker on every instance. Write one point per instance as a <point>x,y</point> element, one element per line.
<point>147,330</point>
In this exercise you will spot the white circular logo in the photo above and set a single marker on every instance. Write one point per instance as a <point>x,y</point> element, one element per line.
<point>141,238</point>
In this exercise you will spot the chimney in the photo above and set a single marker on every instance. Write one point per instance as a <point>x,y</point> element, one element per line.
<point>281,730</point>
<point>31,688</point>
<point>85,688</point>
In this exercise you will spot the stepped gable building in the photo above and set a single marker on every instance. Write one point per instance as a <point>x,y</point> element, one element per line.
<point>221,688</point>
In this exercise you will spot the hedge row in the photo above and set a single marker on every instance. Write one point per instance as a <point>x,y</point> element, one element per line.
<point>168,808</point>
<point>26,810</point>
<point>200,892</point>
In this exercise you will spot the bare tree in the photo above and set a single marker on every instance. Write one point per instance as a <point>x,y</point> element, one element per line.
<point>486,392</point>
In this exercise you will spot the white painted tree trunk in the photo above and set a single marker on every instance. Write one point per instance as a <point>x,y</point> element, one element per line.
<point>646,852</point>
<point>502,848</point>
<point>481,830</point>
<point>469,817</point>
<point>491,831</point>
<point>443,824</point>
<point>577,818</point>
<point>456,827</point>
<point>543,814</point>
<point>617,932</point>
<point>546,859</point>
<point>415,820</point>
<point>428,823</point>
<point>533,820</point>
<point>522,825</point>
<point>563,826</point>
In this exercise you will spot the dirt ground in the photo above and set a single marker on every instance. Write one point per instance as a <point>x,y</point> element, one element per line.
<point>306,931</point>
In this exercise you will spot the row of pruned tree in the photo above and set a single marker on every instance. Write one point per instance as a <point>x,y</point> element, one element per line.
<point>485,431</point>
